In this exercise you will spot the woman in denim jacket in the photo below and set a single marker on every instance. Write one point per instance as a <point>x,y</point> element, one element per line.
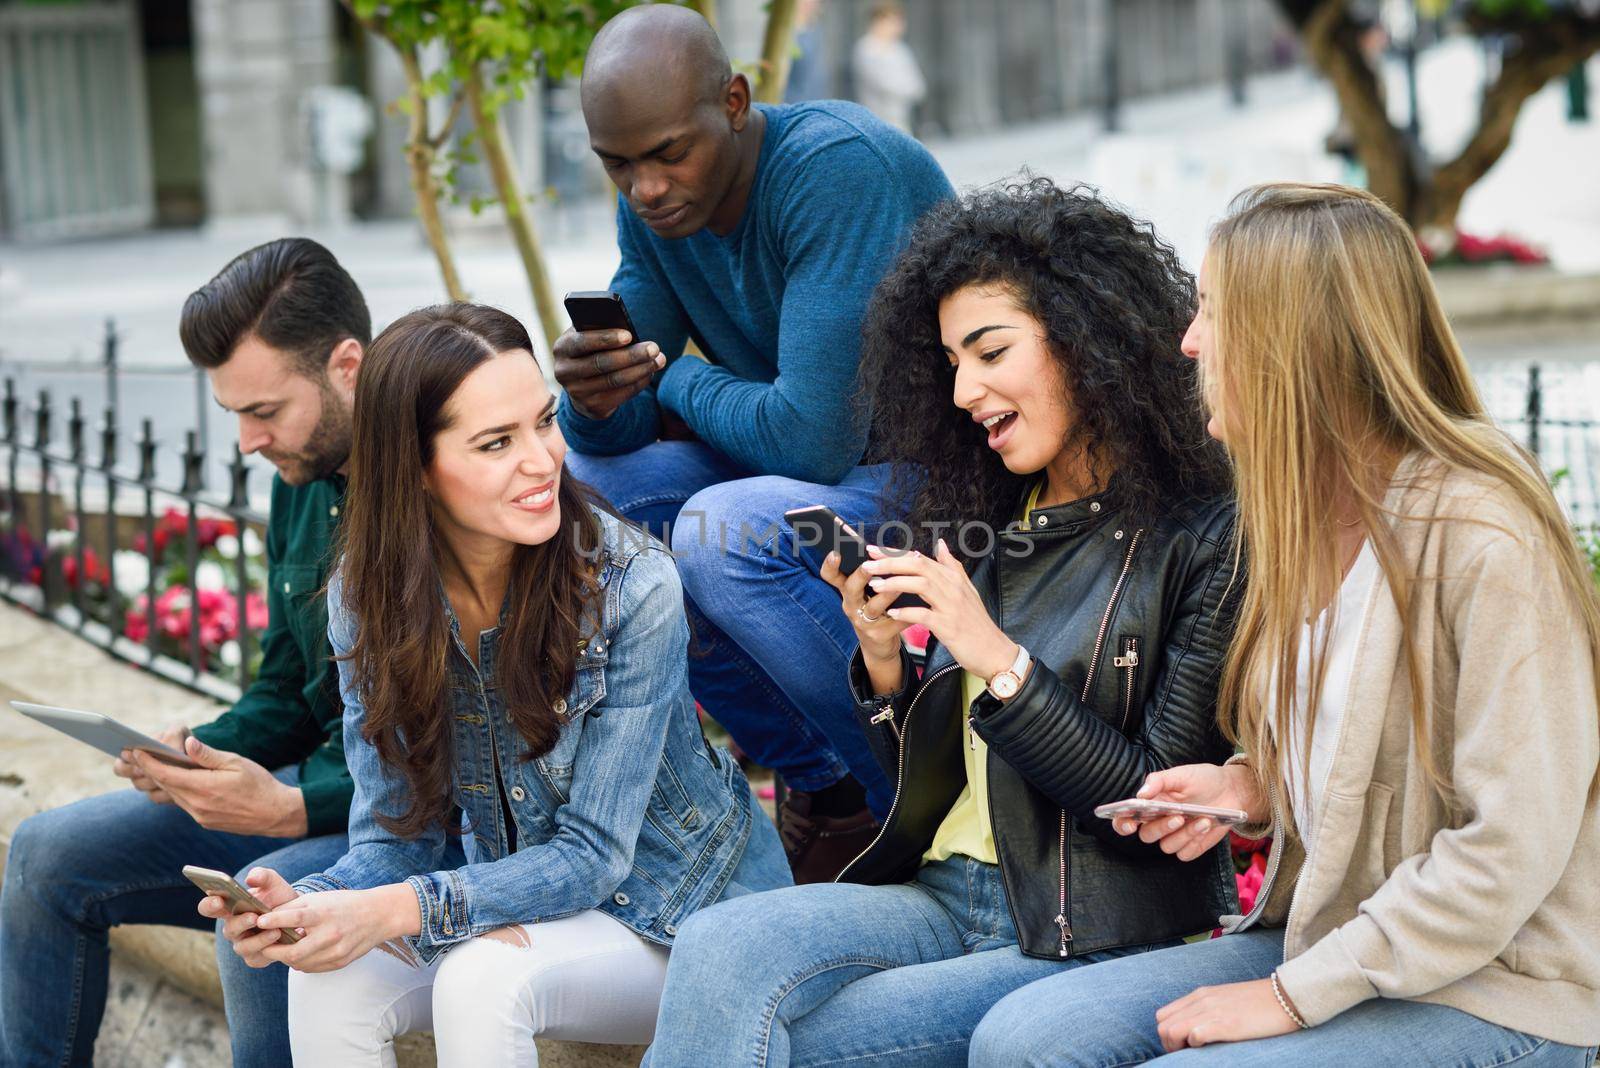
<point>512,662</point>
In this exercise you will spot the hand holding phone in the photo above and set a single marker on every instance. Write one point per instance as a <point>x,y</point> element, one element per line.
<point>819,527</point>
<point>601,362</point>
<point>1188,809</point>
<point>234,894</point>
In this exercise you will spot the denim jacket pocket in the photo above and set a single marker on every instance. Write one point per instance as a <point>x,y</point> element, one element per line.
<point>588,688</point>
<point>673,798</point>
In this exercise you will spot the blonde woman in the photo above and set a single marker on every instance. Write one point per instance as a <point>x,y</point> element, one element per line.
<point>1412,687</point>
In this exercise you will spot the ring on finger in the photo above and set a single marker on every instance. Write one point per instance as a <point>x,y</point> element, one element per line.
<point>861,614</point>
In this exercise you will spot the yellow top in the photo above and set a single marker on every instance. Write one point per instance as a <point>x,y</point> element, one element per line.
<point>966,829</point>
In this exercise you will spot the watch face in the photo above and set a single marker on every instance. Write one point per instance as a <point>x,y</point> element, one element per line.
<point>1005,685</point>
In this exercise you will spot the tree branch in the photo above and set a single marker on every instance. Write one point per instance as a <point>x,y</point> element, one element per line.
<point>1546,50</point>
<point>457,102</point>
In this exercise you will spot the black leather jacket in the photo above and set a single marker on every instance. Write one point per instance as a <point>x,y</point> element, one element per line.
<point>1127,628</point>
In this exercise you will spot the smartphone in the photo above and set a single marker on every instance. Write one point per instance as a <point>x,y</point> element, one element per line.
<point>599,309</point>
<point>238,897</point>
<point>1143,809</point>
<point>819,526</point>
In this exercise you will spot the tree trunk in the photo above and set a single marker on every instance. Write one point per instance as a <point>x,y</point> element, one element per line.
<point>503,169</point>
<point>1394,166</point>
<point>1538,60</point>
<point>1429,199</point>
<point>420,154</point>
<point>777,48</point>
<point>707,9</point>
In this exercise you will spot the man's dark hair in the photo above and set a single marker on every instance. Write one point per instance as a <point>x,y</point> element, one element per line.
<point>291,293</point>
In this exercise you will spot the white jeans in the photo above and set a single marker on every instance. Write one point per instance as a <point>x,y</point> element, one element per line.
<point>585,978</point>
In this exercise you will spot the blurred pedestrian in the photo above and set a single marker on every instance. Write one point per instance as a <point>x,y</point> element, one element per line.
<point>888,80</point>
<point>811,73</point>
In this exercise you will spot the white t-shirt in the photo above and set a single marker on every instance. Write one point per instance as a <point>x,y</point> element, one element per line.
<point>1345,617</point>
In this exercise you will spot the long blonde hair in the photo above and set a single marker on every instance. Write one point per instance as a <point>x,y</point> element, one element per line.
<point>1333,361</point>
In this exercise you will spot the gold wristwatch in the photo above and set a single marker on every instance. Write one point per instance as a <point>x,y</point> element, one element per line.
<point>1005,684</point>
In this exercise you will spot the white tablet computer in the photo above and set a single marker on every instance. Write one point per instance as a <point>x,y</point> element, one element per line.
<point>102,732</point>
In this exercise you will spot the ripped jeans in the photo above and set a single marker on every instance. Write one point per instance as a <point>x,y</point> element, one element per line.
<point>583,978</point>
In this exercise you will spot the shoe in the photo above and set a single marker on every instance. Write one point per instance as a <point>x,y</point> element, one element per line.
<point>819,847</point>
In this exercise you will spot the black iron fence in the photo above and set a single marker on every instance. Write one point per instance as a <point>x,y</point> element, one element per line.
<point>92,539</point>
<point>81,517</point>
<point>1573,464</point>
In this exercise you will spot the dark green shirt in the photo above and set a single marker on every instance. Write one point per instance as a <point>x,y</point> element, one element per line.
<point>292,714</point>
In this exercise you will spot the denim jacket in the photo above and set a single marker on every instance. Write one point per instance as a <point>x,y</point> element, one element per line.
<point>631,812</point>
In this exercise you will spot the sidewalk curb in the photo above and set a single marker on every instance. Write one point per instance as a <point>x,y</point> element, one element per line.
<point>1477,296</point>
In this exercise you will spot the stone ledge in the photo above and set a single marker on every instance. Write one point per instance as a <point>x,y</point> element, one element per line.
<point>165,1008</point>
<point>1501,293</point>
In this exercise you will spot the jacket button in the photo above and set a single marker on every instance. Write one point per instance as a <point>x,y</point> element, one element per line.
<point>1118,535</point>
<point>1095,507</point>
<point>1044,520</point>
<point>287,587</point>
<point>334,511</point>
<point>670,931</point>
<point>561,706</point>
<point>620,898</point>
<point>518,793</point>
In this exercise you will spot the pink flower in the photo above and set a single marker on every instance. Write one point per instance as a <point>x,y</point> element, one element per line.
<point>1250,881</point>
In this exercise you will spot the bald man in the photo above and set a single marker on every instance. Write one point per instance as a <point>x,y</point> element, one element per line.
<point>758,232</point>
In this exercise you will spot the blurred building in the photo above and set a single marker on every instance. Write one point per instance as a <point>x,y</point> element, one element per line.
<point>122,115</point>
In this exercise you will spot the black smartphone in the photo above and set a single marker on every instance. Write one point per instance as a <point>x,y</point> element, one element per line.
<point>819,527</point>
<point>599,309</point>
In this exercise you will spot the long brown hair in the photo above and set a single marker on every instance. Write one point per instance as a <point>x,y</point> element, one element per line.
<point>390,555</point>
<point>1334,359</point>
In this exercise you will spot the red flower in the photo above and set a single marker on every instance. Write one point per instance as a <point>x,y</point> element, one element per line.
<point>1242,846</point>
<point>93,570</point>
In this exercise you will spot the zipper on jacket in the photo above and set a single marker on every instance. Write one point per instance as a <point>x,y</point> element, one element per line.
<point>1129,663</point>
<point>1063,885</point>
<point>1062,922</point>
<point>1111,605</point>
<point>884,703</point>
<point>900,765</point>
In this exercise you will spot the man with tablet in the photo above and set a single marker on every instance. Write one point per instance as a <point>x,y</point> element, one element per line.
<point>280,332</point>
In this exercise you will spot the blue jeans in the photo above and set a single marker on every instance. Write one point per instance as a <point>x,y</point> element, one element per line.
<point>74,872</point>
<point>769,646</point>
<point>1108,1017</point>
<point>838,973</point>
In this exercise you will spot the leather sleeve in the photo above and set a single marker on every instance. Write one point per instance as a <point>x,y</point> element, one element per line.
<point>883,736</point>
<point>1077,759</point>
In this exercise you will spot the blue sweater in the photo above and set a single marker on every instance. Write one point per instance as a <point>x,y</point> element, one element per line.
<point>776,305</point>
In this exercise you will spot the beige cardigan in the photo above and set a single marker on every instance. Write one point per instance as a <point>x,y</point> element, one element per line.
<point>1494,910</point>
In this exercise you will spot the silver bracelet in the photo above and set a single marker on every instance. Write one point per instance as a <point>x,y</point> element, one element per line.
<point>1283,1003</point>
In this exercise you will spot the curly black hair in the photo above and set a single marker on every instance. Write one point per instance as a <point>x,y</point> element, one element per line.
<point>1114,302</point>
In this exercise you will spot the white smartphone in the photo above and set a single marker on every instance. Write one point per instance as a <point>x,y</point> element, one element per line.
<point>1143,809</point>
<point>102,732</point>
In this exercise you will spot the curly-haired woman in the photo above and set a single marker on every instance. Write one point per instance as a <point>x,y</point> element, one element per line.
<point>1413,689</point>
<point>1022,365</point>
